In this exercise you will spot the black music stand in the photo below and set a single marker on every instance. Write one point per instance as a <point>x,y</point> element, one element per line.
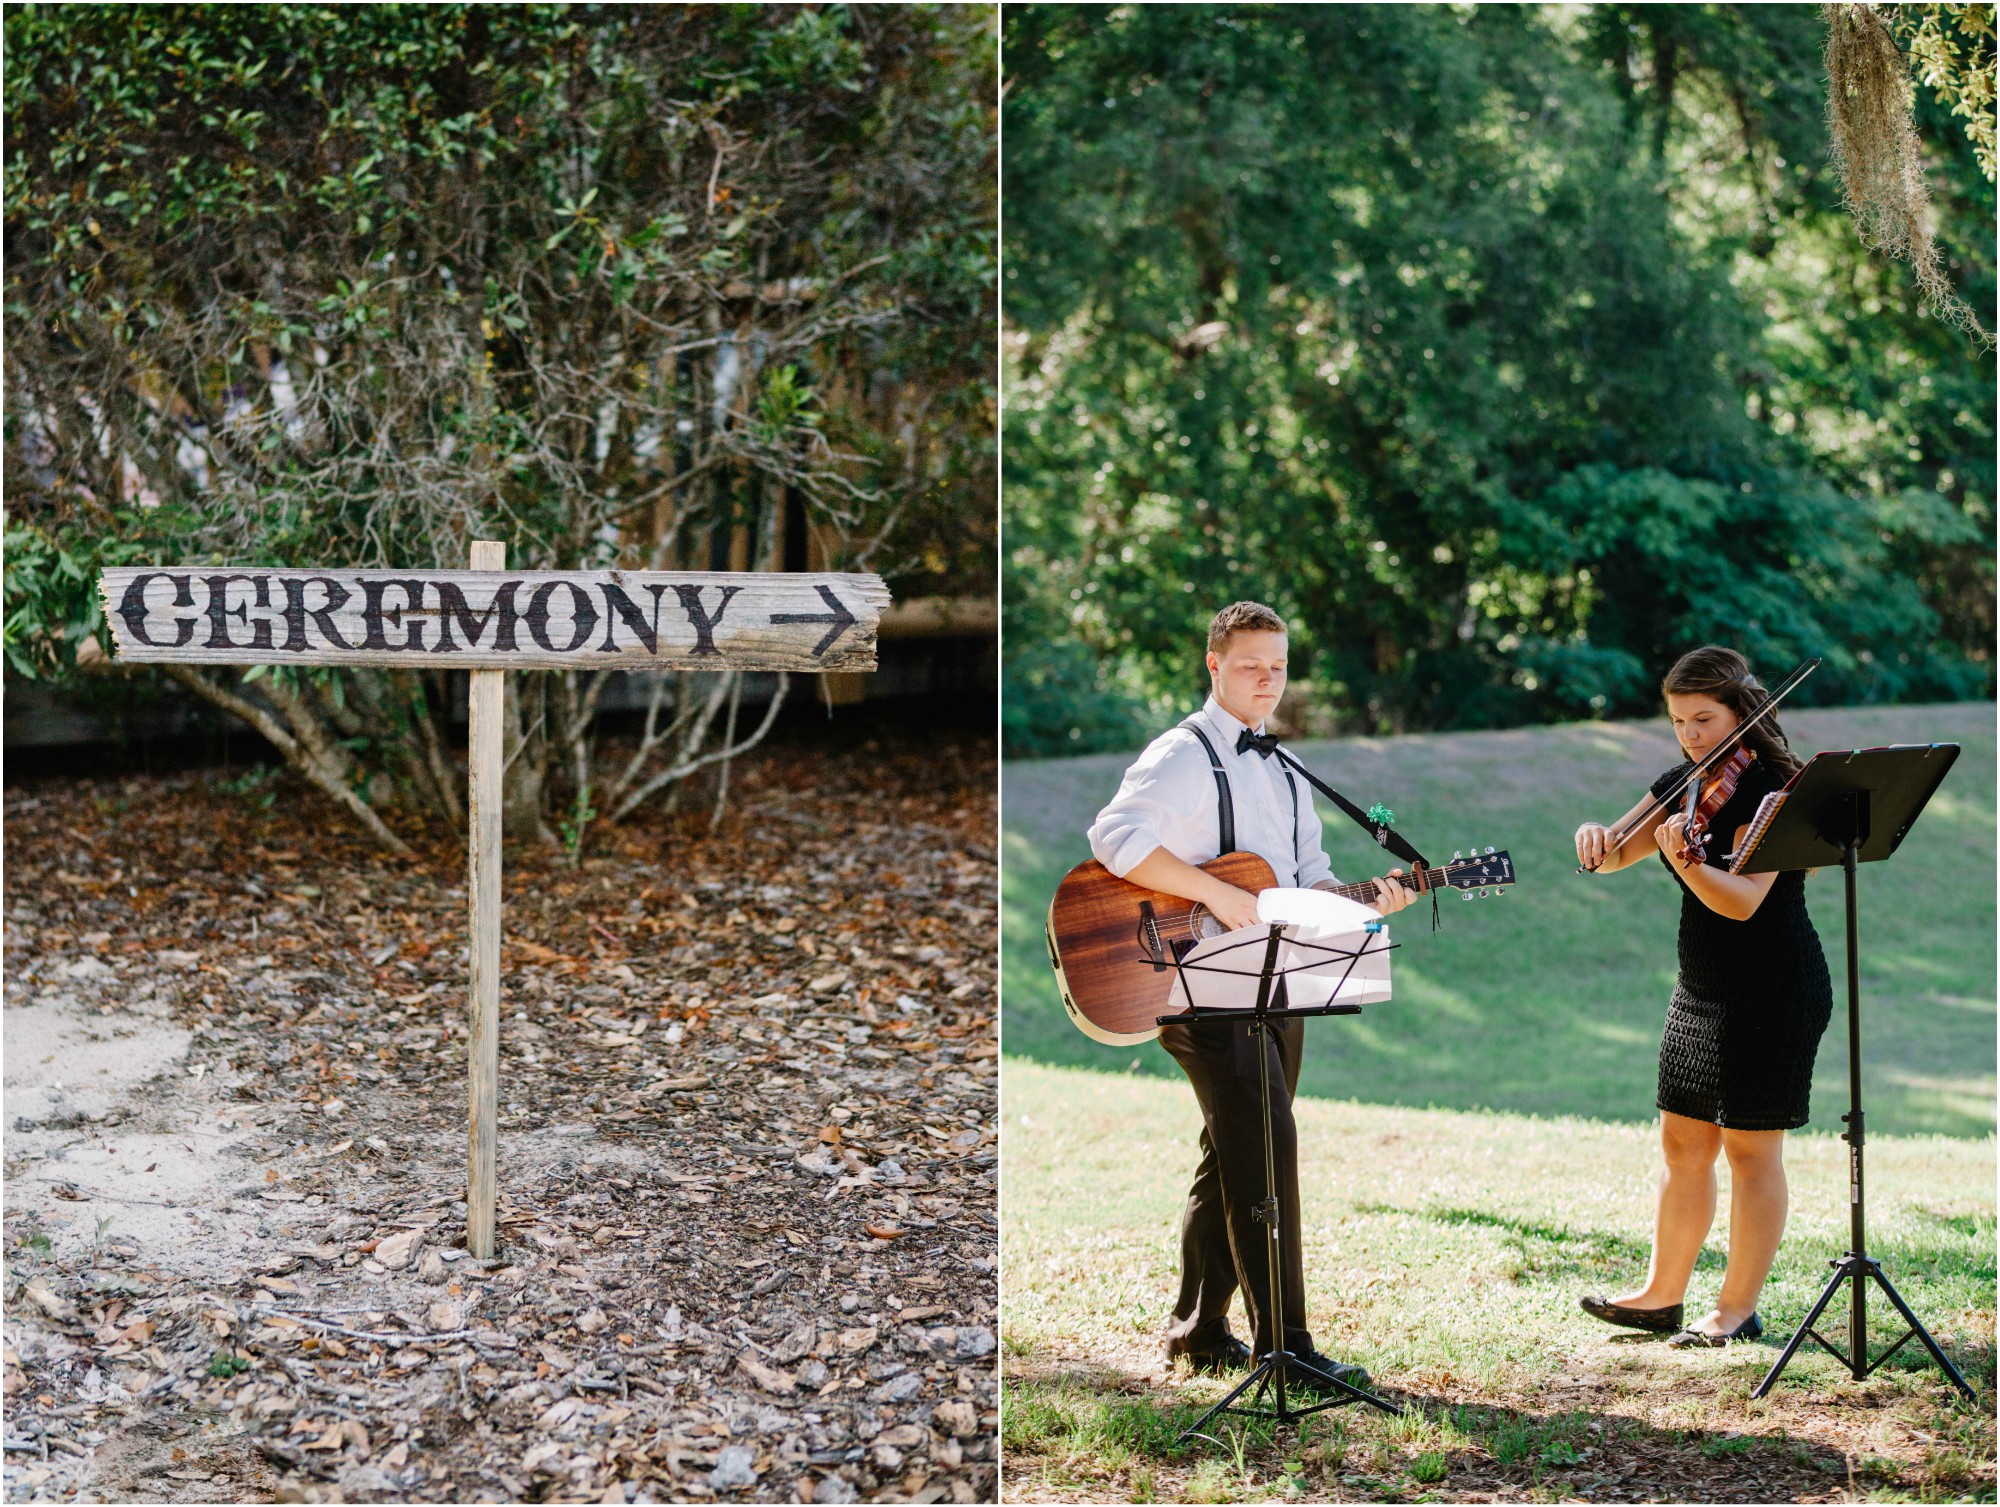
<point>1272,1368</point>
<point>1850,808</point>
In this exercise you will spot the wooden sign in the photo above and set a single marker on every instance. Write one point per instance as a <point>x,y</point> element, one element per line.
<point>490,620</point>
<point>494,620</point>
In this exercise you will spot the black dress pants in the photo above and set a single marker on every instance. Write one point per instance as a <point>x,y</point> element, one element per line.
<point>1223,1244</point>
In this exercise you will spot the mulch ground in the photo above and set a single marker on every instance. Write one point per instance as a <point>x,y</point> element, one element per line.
<point>747,1150</point>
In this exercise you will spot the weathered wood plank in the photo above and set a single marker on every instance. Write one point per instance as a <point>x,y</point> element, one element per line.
<point>470,619</point>
<point>484,799</point>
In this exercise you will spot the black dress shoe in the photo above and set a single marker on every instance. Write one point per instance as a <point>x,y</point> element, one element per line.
<point>1317,1386</point>
<point>1658,1320</point>
<point>1689,1339</point>
<point>1231,1355</point>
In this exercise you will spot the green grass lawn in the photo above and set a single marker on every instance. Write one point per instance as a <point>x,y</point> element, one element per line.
<point>1550,1001</point>
<point>1445,1250</point>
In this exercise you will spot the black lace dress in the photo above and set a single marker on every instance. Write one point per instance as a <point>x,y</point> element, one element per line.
<point>1753,996</point>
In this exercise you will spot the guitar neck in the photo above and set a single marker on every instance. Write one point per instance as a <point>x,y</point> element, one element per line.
<point>1365,891</point>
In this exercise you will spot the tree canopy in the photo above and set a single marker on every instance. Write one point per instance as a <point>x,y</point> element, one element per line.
<point>1507,350</point>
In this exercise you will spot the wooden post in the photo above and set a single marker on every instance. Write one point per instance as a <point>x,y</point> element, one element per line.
<point>482,1056</point>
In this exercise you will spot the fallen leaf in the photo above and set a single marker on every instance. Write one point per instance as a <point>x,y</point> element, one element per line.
<point>55,1307</point>
<point>956,1417</point>
<point>781,1383</point>
<point>397,1251</point>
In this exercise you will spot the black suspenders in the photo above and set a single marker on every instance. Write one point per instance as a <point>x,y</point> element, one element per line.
<point>1225,808</point>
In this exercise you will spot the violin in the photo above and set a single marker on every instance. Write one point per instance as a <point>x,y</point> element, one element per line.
<point>1725,751</point>
<point>1706,798</point>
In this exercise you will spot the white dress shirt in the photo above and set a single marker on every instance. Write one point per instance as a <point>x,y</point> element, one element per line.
<point>1168,800</point>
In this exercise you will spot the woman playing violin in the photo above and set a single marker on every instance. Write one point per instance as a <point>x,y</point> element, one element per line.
<point>1747,1012</point>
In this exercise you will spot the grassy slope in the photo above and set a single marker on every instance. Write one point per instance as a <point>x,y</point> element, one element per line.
<point>1445,1250</point>
<point>1549,1001</point>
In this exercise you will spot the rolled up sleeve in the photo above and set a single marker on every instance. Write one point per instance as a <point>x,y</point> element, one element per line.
<point>1153,806</point>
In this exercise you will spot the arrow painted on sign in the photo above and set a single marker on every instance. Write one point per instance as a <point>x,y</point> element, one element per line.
<point>840,617</point>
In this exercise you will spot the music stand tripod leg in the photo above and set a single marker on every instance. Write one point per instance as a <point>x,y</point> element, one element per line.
<point>1259,1378</point>
<point>1826,1297</point>
<point>1917,1327</point>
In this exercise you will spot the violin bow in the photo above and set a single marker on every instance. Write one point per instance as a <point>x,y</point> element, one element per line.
<point>1715,756</point>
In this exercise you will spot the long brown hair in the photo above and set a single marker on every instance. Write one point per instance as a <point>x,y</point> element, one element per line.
<point>1723,675</point>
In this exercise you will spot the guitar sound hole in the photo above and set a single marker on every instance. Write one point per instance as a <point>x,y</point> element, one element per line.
<point>1202,924</point>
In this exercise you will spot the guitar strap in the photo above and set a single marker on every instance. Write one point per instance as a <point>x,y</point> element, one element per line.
<point>1385,836</point>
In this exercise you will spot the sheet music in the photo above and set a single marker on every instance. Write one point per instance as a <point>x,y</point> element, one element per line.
<point>1329,955</point>
<point>1767,812</point>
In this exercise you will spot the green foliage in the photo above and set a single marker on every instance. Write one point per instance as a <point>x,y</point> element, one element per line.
<point>576,822</point>
<point>222,1365</point>
<point>309,285</point>
<point>1430,1467</point>
<point>363,282</point>
<point>1951,48</point>
<point>241,232</point>
<point>1062,696</point>
<point>1507,351</point>
<point>258,786</point>
<point>51,589</point>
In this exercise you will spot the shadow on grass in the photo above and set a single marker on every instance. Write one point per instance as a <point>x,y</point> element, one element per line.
<point>1976,1227</point>
<point>1558,1251</point>
<point>1548,1250</point>
<point>1067,1428</point>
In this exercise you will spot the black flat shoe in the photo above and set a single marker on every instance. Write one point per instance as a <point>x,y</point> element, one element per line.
<point>1231,1355</point>
<point>1658,1320</point>
<point>1690,1339</point>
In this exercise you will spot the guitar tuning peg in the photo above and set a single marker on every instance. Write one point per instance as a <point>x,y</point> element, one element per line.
<point>1489,847</point>
<point>1456,854</point>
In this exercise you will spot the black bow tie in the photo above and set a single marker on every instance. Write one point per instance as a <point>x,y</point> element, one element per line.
<point>1264,744</point>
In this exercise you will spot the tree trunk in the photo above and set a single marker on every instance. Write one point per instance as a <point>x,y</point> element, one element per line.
<point>527,772</point>
<point>305,744</point>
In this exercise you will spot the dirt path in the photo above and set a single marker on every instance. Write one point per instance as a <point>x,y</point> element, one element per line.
<point>747,1159</point>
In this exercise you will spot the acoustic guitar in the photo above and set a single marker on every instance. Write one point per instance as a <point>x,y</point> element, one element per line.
<point>1113,944</point>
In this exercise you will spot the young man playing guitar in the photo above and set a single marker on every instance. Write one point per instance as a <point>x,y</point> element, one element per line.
<point>1167,817</point>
